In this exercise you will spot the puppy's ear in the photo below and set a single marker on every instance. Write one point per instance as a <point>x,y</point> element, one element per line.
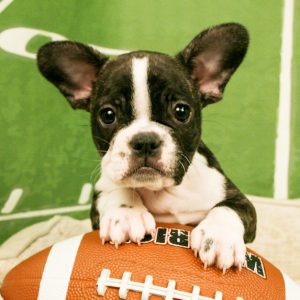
<point>213,56</point>
<point>73,68</point>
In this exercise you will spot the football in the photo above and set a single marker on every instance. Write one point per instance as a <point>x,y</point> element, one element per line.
<point>163,266</point>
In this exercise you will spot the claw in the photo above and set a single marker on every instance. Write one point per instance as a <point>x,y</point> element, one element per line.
<point>153,233</point>
<point>224,270</point>
<point>103,241</point>
<point>116,245</point>
<point>240,267</point>
<point>205,265</point>
<point>195,252</point>
<point>138,242</point>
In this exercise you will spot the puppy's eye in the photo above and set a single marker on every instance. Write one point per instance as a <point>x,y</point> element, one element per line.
<point>107,115</point>
<point>182,112</point>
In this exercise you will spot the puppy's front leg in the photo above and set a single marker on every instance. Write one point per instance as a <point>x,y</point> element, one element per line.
<point>218,239</point>
<point>123,216</point>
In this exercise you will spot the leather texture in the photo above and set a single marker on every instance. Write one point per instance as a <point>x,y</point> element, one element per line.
<point>162,261</point>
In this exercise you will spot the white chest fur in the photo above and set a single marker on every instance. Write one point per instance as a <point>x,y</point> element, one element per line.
<point>188,203</point>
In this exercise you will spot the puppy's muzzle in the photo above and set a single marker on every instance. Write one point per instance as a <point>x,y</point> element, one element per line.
<point>146,144</point>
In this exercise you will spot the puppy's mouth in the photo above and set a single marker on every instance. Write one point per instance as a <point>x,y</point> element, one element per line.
<point>145,173</point>
<point>150,176</point>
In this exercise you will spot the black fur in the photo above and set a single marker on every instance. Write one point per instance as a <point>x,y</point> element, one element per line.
<point>94,213</point>
<point>235,199</point>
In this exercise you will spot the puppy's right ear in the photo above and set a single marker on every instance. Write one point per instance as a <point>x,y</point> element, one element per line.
<point>73,68</point>
<point>213,56</point>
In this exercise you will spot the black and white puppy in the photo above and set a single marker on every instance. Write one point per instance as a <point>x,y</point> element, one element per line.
<point>146,123</point>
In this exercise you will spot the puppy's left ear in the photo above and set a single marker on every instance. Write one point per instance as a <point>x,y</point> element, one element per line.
<point>213,56</point>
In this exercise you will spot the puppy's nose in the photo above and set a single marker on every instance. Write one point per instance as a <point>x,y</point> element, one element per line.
<point>146,144</point>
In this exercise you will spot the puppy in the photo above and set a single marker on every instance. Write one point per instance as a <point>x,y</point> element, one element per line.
<point>146,123</point>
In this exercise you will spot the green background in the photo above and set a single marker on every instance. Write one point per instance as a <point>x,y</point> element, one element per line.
<point>46,147</point>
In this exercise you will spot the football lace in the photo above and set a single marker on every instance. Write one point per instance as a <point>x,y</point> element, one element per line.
<point>147,288</point>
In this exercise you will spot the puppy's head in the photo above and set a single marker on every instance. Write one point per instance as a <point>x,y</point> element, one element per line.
<point>145,106</point>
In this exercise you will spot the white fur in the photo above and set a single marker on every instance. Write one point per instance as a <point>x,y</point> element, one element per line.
<point>225,231</point>
<point>141,98</point>
<point>188,203</point>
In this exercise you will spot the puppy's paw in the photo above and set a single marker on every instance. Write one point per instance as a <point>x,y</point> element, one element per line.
<point>126,223</point>
<point>218,239</point>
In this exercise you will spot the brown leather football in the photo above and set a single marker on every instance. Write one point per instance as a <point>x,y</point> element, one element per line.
<point>162,267</point>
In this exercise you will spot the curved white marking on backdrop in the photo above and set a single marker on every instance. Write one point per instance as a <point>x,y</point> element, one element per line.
<point>4,4</point>
<point>15,40</point>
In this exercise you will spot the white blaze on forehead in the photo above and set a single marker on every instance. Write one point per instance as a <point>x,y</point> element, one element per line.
<point>141,97</point>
